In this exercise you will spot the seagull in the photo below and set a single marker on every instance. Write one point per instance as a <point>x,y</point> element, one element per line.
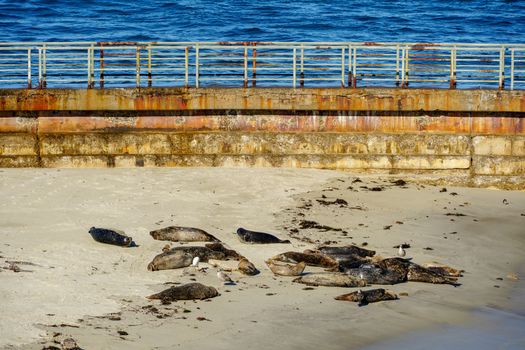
<point>401,252</point>
<point>195,262</point>
<point>224,277</point>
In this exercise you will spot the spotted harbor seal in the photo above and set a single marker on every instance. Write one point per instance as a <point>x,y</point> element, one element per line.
<point>247,268</point>
<point>364,297</point>
<point>172,259</point>
<point>413,272</point>
<point>247,236</point>
<point>182,234</point>
<point>225,265</point>
<point>375,275</point>
<point>107,236</point>
<point>203,253</point>
<point>347,250</point>
<point>283,269</point>
<point>443,269</point>
<point>310,259</point>
<point>190,291</point>
<point>330,279</point>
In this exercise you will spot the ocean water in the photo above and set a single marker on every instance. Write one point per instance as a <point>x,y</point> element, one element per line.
<point>469,21</point>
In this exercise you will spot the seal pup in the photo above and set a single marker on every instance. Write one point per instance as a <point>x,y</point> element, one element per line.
<point>282,269</point>
<point>224,278</point>
<point>182,234</point>
<point>172,259</point>
<point>246,267</point>
<point>247,236</point>
<point>188,291</point>
<point>330,279</point>
<point>108,236</point>
<point>310,259</point>
<point>368,296</point>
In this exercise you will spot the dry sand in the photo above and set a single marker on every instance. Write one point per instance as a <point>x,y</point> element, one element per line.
<point>77,287</point>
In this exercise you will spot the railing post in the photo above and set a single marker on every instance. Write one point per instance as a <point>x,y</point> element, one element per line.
<point>101,53</point>
<point>294,67</point>
<point>301,77</point>
<point>502,68</point>
<point>512,69</point>
<point>150,80</point>
<point>29,68</point>
<point>89,68</point>
<point>354,67</point>
<point>245,83</point>
<point>397,66</point>
<point>453,68</point>
<point>197,66</point>
<point>349,65</point>
<point>343,67</point>
<point>405,72</point>
<point>137,67</point>
<point>40,83</point>
<point>44,67</point>
<point>254,67</point>
<point>186,66</point>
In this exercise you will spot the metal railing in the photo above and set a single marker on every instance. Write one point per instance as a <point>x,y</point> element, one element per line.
<point>261,64</point>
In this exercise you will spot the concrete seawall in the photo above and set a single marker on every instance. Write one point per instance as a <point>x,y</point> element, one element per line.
<point>478,135</point>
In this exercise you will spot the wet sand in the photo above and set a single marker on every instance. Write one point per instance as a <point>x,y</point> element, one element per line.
<point>74,286</point>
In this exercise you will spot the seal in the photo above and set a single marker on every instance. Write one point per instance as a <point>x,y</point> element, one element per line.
<point>182,234</point>
<point>190,291</point>
<point>247,236</point>
<point>203,253</point>
<point>347,250</point>
<point>443,269</point>
<point>282,269</point>
<point>172,259</point>
<point>368,296</point>
<point>375,275</point>
<point>108,236</point>
<point>247,268</point>
<point>330,279</point>
<point>413,272</point>
<point>228,253</point>
<point>310,259</point>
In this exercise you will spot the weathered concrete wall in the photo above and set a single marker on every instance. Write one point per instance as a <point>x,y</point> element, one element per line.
<point>477,134</point>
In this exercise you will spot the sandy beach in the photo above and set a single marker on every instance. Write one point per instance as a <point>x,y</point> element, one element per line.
<point>71,286</point>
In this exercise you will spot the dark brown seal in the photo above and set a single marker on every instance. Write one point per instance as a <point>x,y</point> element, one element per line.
<point>347,250</point>
<point>188,291</point>
<point>182,234</point>
<point>104,235</point>
<point>368,296</point>
<point>254,237</point>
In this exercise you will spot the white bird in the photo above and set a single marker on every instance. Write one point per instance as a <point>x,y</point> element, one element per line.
<point>195,262</point>
<point>401,252</point>
<point>223,277</point>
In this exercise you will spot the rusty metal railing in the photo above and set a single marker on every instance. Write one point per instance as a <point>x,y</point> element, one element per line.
<point>261,64</point>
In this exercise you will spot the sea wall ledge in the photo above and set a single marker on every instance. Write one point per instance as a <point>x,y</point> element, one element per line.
<point>307,99</point>
<point>474,135</point>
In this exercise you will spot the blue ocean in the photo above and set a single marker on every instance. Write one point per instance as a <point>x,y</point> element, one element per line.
<point>467,21</point>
